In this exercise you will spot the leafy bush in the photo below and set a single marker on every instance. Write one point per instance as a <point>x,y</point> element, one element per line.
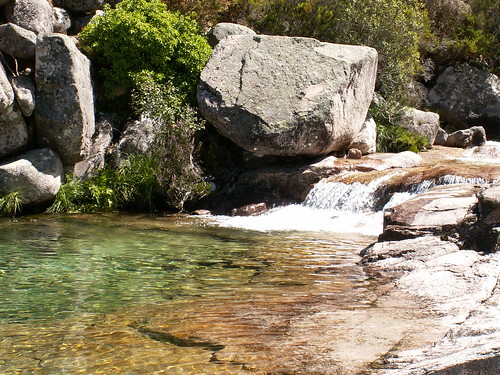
<point>391,137</point>
<point>141,37</point>
<point>179,178</point>
<point>394,27</point>
<point>130,186</point>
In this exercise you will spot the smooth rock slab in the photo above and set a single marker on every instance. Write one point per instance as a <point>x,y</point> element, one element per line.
<point>36,175</point>
<point>287,96</point>
<point>445,211</point>
<point>64,111</point>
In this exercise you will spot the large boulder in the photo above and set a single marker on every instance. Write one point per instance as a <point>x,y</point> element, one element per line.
<point>421,122</point>
<point>224,29</point>
<point>36,175</point>
<point>287,96</point>
<point>17,41</point>
<point>466,96</point>
<point>13,131</point>
<point>64,111</point>
<point>34,15</point>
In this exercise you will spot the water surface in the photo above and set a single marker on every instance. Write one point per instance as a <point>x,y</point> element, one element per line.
<point>123,294</point>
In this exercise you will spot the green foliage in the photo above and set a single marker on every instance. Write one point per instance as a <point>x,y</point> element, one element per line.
<point>393,27</point>
<point>390,136</point>
<point>128,187</point>
<point>141,37</point>
<point>11,204</point>
<point>179,178</point>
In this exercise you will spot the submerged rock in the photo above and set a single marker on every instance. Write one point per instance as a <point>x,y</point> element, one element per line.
<point>287,96</point>
<point>36,175</point>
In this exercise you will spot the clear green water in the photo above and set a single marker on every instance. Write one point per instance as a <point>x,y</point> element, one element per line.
<point>115,294</point>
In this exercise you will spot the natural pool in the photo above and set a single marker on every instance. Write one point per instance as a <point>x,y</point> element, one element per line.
<point>124,294</point>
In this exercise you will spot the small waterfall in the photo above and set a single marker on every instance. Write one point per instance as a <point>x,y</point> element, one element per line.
<point>339,207</point>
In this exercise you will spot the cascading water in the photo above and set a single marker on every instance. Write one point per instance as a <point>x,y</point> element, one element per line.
<point>338,207</point>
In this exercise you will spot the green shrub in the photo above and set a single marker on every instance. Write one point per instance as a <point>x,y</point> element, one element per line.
<point>179,178</point>
<point>11,204</point>
<point>391,137</point>
<point>141,37</point>
<point>394,27</point>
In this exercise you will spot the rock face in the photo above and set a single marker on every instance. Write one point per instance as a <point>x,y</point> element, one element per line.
<point>224,29</point>
<point>13,132</point>
<point>460,286</point>
<point>287,96</point>
<point>466,96</point>
<point>444,211</point>
<point>34,15</point>
<point>6,92</point>
<point>366,140</point>
<point>17,41</point>
<point>65,104</point>
<point>24,89</point>
<point>83,6</point>
<point>421,122</point>
<point>475,136</point>
<point>36,175</point>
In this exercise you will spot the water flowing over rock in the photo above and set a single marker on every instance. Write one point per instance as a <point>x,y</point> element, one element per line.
<point>475,136</point>
<point>17,41</point>
<point>65,104</point>
<point>287,96</point>
<point>466,96</point>
<point>224,29</point>
<point>421,122</point>
<point>36,175</point>
<point>34,15</point>
<point>13,132</point>
<point>24,88</point>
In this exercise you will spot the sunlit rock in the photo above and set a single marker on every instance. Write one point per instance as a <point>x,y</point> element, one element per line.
<point>17,41</point>
<point>13,132</point>
<point>34,15</point>
<point>287,96</point>
<point>421,122</point>
<point>475,136</point>
<point>224,29</point>
<point>36,175</point>
<point>366,140</point>
<point>64,110</point>
<point>24,89</point>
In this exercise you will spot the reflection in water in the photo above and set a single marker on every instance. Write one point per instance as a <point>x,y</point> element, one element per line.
<point>110,294</point>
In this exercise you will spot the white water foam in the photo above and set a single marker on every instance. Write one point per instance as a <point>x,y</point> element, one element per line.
<point>336,207</point>
<point>489,153</point>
